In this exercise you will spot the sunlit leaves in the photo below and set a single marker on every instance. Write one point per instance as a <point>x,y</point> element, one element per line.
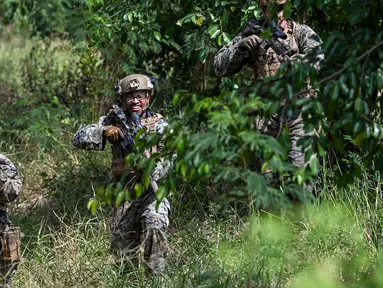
<point>92,206</point>
<point>314,164</point>
<point>138,188</point>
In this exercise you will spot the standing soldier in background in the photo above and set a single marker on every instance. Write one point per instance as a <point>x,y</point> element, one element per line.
<point>136,225</point>
<point>301,42</point>
<point>10,188</point>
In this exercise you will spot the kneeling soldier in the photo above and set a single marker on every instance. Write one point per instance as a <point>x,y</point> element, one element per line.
<point>137,225</point>
<point>10,188</point>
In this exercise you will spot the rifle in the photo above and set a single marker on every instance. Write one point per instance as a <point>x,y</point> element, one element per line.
<point>253,27</point>
<point>129,131</point>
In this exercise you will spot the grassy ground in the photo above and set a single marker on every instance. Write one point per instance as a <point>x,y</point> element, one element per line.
<point>327,244</point>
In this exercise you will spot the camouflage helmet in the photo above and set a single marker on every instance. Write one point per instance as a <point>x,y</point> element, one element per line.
<point>266,2</point>
<point>135,82</point>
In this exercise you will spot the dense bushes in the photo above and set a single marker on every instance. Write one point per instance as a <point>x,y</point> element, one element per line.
<point>128,37</point>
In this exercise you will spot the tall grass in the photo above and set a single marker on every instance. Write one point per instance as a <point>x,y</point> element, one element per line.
<point>326,247</point>
<point>325,244</point>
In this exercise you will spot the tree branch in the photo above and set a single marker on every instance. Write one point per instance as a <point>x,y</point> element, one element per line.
<point>365,54</point>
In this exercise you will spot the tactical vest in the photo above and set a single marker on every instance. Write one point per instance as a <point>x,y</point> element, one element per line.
<point>119,154</point>
<point>267,64</point>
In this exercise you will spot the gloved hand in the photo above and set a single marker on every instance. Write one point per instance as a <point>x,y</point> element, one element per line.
<point>250,43</point>
<point>113,133</point>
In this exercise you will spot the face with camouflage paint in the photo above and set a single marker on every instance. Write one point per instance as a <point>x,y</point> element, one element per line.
<point>136,101</point>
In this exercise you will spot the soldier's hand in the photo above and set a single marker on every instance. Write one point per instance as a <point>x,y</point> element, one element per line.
<point>113,133</point>
<point>250,43</point>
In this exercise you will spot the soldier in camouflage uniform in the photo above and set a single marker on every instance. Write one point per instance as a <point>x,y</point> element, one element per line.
<point>10,189</point>
<point>137,225</point>
<point>302,41</point>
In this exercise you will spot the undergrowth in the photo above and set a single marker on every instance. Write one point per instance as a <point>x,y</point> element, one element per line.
<point>334,242</point>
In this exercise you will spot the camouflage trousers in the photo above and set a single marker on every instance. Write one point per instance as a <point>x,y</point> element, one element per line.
<point>7,270</point>
<point>273,127</point>
<point>138,229</point>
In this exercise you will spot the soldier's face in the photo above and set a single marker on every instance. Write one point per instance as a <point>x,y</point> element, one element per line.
<point>272,12</point>
<point>137,101</point>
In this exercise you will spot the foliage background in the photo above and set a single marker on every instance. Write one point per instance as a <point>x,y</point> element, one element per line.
<point>59,61</point>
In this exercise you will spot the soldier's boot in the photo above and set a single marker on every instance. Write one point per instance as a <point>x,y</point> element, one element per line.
<point>7,271</point>
<point>156,265</point>
<point>156,248</point>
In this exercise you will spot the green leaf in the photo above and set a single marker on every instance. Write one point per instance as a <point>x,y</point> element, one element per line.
<point>109,193</point>
<point>201,169</point>
<point>203,55</point>
<point>120,197</point>
<point>100,191</point>
<point>287,9</point>
<point>128,16</point>
<point>226,37</point>
<point>92,206</point>
<point>142,163</point>
<point>138,189</point>
<point>216,34</point>
<point>334,92</point>
<point>130,160</point>
<point>213,31</point>
<point>22,102</point>
<point>361,106</point>
<point>157,35</point>
<point>183,169</point>
<point>161,193</point>
<point>256,185</point>
<point>118,187</point>
<point>89,205</point>
<point>207,169</point>
<point>128,197</point>
<point>150,165</point>
<point>357,127</point>
<point>192,173</point>
<point>219,40</point>
<point>314,164</point>
<point>146,180</point>
<point>180,145</point>
<point>264,167</point>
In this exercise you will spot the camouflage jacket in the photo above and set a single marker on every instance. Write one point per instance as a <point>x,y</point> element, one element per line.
<point>10,183</point>
<point>92,137</point>
<point>230,59</point>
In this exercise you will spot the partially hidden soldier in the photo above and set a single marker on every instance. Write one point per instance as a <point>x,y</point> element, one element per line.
<point>10,189</point>
<point>302,44</point>
<point>137,226</point>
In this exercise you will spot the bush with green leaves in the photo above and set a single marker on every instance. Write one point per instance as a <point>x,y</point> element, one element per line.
<point>175,42</point>
<point>216,140</point>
